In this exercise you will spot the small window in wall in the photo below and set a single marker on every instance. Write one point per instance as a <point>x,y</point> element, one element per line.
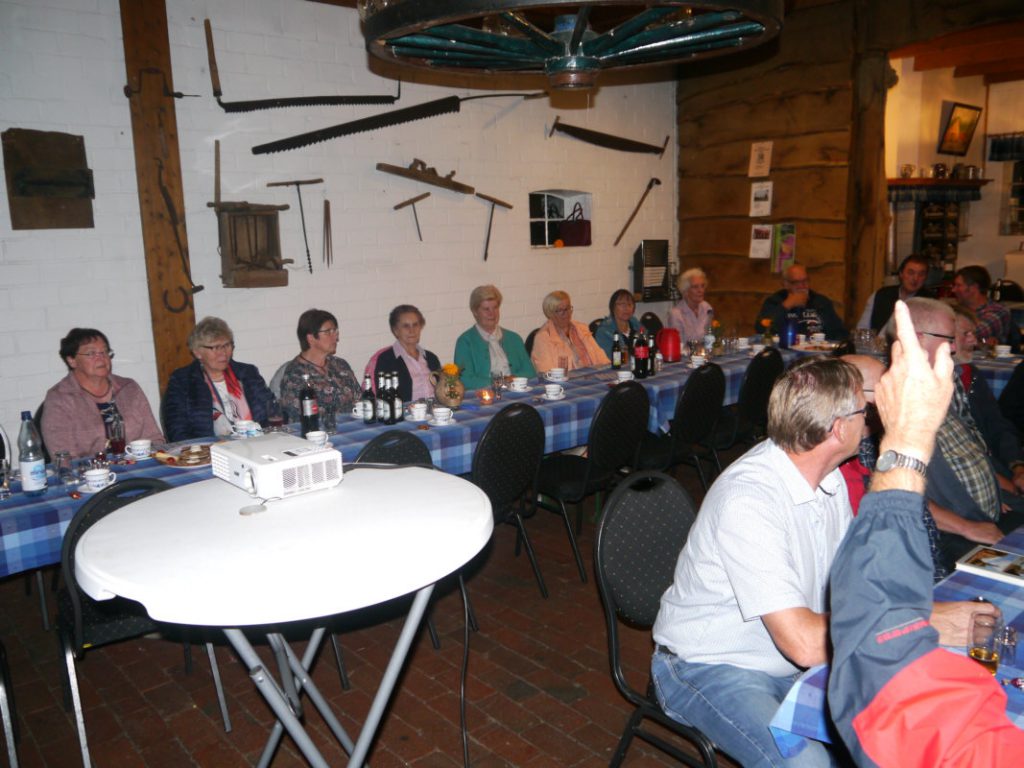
<point>1011,201</point>
<point>549,208</point>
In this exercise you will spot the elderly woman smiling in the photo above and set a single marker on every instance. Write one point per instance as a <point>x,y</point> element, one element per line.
<point>692,314</point>
<point>208,396</point>
<point>488,348</point>
<point>406,357</point>
<point>562,340</point>
<point>78,408</point>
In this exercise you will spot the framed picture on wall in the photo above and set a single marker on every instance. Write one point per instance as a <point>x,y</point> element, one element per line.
<point>959,129</point>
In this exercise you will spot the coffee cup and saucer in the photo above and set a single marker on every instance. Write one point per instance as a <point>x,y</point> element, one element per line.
<point>96,480</point>
<point>1003,350</point>
<point>140,449</point>
<point>246,428</point>
<point>624,376</point>
<point>519,384</point>
<point>555,374</point>
<point>554,392</point>
<point>442,416</point>
<point>696,361</point>
<point>417,412</point>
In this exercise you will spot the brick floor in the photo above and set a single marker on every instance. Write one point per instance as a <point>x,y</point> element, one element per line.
<point>538,690</point>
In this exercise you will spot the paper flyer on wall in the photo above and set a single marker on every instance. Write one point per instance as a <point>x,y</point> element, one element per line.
<point>761,238</point>
<point>760,159</point>
<point>761,198</point>
<point>783,246</point>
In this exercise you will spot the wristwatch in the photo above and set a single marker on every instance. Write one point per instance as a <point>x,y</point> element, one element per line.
<point>891,459</point>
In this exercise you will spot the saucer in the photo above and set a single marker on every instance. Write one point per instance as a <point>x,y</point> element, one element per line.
<point>556,397</point>
<point>522,391</point>
<point>85,488</point>
<point>414,420</point>
<point>435,423</point>
<point>554,380</point>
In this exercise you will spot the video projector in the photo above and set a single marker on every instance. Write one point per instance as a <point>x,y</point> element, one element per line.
<point>276,465</point>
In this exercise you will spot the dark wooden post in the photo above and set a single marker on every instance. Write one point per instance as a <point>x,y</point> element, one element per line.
<point>147,58</point>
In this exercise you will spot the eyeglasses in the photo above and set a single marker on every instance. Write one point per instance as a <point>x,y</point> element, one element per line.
<point>850,415</point>
<point>327,332</point>
<point>563,310</point>
<point>90,355</point>
<point>225,347</point>
<point>936,335</point>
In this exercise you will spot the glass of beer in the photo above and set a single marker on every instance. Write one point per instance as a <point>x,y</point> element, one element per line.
<point>984,640</point>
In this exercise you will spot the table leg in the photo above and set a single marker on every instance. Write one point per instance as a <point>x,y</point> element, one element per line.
<point>387,683</point>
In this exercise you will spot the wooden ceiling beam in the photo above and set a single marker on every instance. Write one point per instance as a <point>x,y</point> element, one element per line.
<point>981,53</point>
<point>1004,77</point>
<point>1005,34</point>
<point>974,70</point>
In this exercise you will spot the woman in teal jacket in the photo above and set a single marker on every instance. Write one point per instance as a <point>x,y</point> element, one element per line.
<point>487,347</point>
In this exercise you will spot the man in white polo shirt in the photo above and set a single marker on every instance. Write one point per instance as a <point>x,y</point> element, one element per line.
<point>747,611</point>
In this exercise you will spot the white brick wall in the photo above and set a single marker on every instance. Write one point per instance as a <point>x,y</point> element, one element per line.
<point>62,69</point>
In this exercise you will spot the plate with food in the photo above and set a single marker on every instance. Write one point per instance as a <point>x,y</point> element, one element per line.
<point>186,456</point>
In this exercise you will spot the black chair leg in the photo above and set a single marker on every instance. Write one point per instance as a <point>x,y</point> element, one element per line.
<point>627,738</point>
<point>72,695</point>
<point>522,536</point>
<point>434,639</point>
<point>572,538</point>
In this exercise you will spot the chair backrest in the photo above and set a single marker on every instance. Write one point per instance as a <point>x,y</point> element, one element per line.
<point>508,456</point>
<point>529,341</point>
<point>38,419</point>
<point>752,403</point>
<point>618,428</point>
<point>595,324</point>
<point>277,378</point>
<point>5,445</point>
<point>100,505</point>
<point>643,528</point>
<point>699,405</point>
<point>395,447</point>
<point>651,322</point>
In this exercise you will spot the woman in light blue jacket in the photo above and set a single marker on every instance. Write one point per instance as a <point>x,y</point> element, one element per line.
<point>487,347</point>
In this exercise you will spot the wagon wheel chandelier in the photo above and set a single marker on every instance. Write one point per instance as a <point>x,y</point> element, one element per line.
<point>569,42</point>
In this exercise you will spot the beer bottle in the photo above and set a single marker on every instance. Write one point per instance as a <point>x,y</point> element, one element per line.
<point>381,398</point>
<point>616,352</point>
<point>309,410</point>
<point>397,406</point>
<point>368,401</point>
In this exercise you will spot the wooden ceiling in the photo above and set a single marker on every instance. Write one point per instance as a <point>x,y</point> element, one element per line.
<point>996,53</point>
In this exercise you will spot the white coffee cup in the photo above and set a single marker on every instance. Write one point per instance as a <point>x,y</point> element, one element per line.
<point>98,479</point>
<point>317,437</point>
<point>442,414</point>
<point>553,391</point>
<point>817,337</point>
<point>357,410</point>
<point>742,343</point>
<point>246,428</point>
<point>520,383</point>
<point>801,338</point>
<point>624,375</point>
<point>556,373</point>
<point>140,449</point>
<point>697,361</point>
<point>418,411</point>
<point>757,348</point>
<point>1002,350</point>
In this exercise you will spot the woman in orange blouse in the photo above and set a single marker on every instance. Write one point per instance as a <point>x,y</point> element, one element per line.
<point>562,341</point>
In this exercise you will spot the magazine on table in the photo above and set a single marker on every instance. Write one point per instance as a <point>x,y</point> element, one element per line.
<point>994,563</point>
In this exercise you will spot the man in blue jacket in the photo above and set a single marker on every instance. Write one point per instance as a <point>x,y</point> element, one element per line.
<point>796,302</point>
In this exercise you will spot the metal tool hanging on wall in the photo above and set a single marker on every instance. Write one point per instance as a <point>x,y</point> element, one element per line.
<point>419,171</point>
<point>606,140</point>
<point>650,185</point>
<point>490,218</point>
<point>383,120</point>
<point>299,183</point>
<point>412,202</point>
<point>328,238</point>
<point>293,101</point>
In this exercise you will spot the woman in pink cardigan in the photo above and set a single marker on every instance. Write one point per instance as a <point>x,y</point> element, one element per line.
<point>561,340</point>
<point>78,407</point>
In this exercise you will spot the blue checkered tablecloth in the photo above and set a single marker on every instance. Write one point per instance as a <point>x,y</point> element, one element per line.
<point>801,715</point>
<point>997,371</point>
<point>31,528</point>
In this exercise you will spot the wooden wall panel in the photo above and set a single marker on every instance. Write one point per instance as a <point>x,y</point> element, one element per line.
<point>788,152</point>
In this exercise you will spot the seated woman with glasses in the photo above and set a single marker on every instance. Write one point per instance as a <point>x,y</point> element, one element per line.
<point>488,348</point>
<point>331,377</point>
<point>561,342</point>
<point>208,396</point>
<point>78,407</point>
<point>621,318</point>
<point>406,357</point>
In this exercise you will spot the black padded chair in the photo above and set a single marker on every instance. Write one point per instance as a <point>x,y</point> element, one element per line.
<point>615,435</point>
<point>505,467</point>
<point>395,446</point>
<point>595,324</point>
<point>1011,400</point>
<point>402,449</point>
<point>696,414</point>
<point>747,420</point>
<point>651,322</point>
<point>643,527</point>
<point>529,340</point>
<point>84,623</point>
<point>8,711</point>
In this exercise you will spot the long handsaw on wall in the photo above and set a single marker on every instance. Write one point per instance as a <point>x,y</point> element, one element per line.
<point>292,101</point>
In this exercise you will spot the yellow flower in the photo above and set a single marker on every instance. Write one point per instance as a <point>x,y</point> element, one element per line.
<point>715,324</point>
<point>450,369</point>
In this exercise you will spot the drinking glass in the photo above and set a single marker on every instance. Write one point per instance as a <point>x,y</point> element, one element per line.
<point>497,383</point>
<point>1008,646</point>
<point>984,640</point>
<point>5,479</point>
<point>328,420</point>
<point>275,416</point>
<point>62,465</point>
<point>115,434</point>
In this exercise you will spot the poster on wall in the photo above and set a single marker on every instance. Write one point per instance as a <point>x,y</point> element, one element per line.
<point>959,129</point>
<point>761,198</point>
<point>783,247</point>
<point>760,159</point>
<point>761,239</point>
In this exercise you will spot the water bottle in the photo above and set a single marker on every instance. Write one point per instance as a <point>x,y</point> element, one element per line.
<point>30,457</point>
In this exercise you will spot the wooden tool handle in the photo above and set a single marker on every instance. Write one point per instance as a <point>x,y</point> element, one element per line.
<point>494,200</point>
<point>294,181</point>
<point>211,57</point>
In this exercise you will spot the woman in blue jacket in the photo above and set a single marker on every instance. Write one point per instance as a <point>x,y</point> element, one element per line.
<point>208,396</point>
<point>487,347</point>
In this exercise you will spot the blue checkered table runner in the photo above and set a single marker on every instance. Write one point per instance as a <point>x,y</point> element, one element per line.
<point>31,528</point>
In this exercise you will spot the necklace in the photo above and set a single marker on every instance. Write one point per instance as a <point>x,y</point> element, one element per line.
<point>315,365</point>
<point>100,397</point>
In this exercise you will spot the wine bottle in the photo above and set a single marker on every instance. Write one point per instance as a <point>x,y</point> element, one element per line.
<point>309,417</point>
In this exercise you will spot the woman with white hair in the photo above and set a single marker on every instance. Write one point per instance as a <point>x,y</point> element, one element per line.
<point>692,314</point>
<point>488,348</point>
<point>561,342</point>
